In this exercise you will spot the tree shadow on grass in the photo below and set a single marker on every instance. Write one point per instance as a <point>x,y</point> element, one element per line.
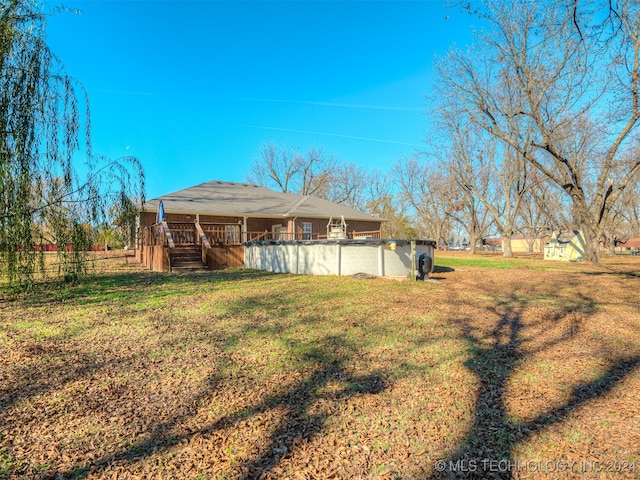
<point>31,379</point>
<point>299,424</point>
<point>325,359</point>
<point>488,449</point>
<point>613,272</point>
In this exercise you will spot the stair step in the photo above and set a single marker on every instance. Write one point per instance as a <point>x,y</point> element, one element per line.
<point>189,266</point>
<point>187,262</point>
<point>186,257</point>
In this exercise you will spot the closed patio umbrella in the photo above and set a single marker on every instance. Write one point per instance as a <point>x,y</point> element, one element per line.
<point>160,217</point>
<point>160,212</point>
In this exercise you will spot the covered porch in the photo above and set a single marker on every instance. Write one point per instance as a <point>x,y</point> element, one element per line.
<point>195,245</point>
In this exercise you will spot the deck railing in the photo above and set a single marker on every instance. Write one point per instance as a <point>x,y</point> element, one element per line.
<point>373,234</point>
<point>157,234</point>
<point>202,237</point>
<point>223,233</point>
<point>267,235</point>
<point>183,233</point>
<point>209,234</point>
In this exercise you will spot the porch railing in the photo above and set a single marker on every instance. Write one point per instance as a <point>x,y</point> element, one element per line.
<point>183,233</point>
<point>373,234</point>
<point>223,233</point>
<point>157,234</point>
<point>267,235</point>
<point>202,237</point>
<point>171,234</point>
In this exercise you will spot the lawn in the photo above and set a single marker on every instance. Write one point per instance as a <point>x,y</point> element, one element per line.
<point>504,369</point>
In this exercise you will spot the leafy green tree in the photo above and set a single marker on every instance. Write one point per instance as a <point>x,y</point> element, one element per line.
<point>42,125</point>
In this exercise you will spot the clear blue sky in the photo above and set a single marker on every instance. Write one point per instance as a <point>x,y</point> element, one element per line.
<point>193,88</point>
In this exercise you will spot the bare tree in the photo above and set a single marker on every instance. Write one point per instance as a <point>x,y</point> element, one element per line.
<point>487,169</point>
<point>629,210</point>
<point>569,73</point>
<point>544,209</point>
<point>350,185</point>
<point>624,218</point>
<point>381,201</point>
<point>431,195</point>
<point>311,173</point>
<point>470,213</point>
<point>291,171</point>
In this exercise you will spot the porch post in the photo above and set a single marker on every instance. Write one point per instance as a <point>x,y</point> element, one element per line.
<point>244,229</point>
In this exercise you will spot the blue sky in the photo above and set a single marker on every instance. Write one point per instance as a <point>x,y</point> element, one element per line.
<point>193,88</point>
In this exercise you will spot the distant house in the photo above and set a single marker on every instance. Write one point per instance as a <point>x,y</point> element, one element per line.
<point>458,242</point>
<point>630,245</point>
<point>526,244</point>
<point>223,215</point>
<point>565,246</point>
<point>519,244</point>
<point>492,244</point>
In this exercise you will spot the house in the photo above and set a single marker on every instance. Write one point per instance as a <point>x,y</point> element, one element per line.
<point>491,244</point>
<point>528,244</point>
<point>523,244</point>
<point>458,242</point>
<point>566,246</point>
<point>520,244</point>
<point>212,221</point>
<point>630,245</point>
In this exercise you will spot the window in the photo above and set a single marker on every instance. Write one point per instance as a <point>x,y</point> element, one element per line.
<point>306,230</point>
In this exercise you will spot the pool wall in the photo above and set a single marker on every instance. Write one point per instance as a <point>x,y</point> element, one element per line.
<point>383,258</point>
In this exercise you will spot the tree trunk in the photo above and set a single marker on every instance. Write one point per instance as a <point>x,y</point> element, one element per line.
<point>592,237</point>
<point>506,246</point>
<point>592,241</point>
<point>472,244</point>
<point>593,250</point>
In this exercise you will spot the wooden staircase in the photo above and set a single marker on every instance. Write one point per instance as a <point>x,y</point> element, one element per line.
<point>186,258</point>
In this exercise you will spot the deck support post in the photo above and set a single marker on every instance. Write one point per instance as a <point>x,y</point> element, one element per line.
<point>380,260</point>
<point>413,260</point>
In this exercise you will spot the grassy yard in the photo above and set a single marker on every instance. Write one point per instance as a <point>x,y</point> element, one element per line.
<point>500,368</point>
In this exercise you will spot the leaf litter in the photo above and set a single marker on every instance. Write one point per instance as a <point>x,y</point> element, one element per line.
<point>240,374</point>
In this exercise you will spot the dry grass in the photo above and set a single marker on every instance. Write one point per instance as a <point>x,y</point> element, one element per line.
<point>243,374</point>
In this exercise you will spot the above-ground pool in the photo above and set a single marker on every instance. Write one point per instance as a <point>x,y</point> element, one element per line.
<point>383,258</point>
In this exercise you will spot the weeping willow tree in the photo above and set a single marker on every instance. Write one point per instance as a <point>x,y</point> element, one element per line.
<point>44,126</point>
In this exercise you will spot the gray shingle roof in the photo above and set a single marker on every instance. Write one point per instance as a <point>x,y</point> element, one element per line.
<point>241,199</point>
